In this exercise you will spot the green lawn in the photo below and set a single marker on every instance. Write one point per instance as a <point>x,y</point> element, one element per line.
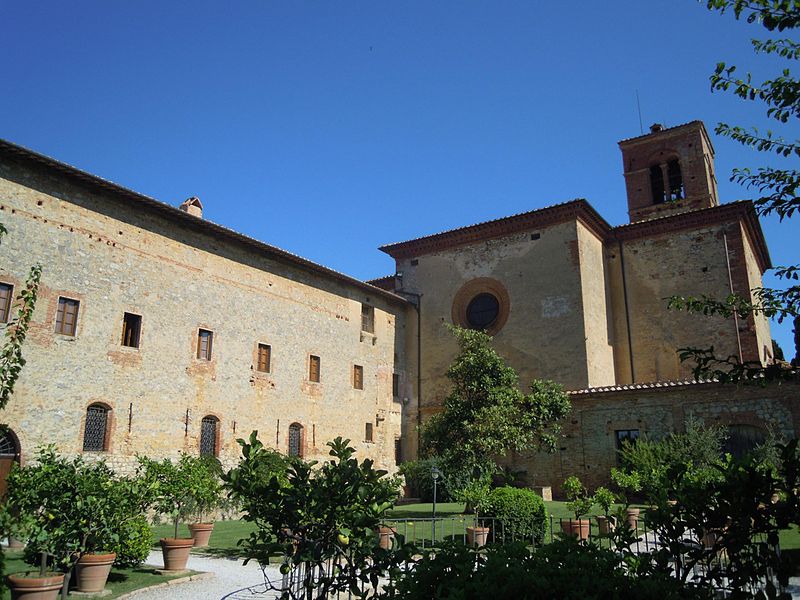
<point>121,581</point>
<point>403,518</point>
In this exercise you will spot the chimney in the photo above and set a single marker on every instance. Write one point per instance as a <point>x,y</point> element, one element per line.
<point>193,206</point>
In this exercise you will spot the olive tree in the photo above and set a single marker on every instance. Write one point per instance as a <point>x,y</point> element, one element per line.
<point>486,415</point>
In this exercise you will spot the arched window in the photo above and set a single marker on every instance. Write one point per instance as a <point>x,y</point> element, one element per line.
<point>209,429</point>
<point>657,184</point>
<point>95,433</point>
<point>742,439</point>
<point>675,180</point>
<point>295,439</point>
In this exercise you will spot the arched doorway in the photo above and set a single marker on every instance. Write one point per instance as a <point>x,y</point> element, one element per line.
<point>9,454</point>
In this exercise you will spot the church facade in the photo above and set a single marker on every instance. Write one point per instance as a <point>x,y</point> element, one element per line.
<point>158,332</point>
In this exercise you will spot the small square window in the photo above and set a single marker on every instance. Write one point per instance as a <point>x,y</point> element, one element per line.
<point>367,318</point>
<point>626,435</point>
<point>6,295</point>
<point>358,377</point>
<point>264,358</point>
<point>131,330</point>
<point>67,316</point>
<point>204,342</point>
<point>395,385</point>
<point>314,366</point>
<point>368,432</point>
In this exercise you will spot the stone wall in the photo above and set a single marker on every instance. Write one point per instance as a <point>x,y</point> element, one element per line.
<point>115,256</point>
<point>588,448</point>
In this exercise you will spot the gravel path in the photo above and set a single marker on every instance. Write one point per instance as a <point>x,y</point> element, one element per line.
<point>231,581</point>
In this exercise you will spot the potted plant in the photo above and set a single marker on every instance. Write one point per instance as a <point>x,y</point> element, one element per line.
<point>605,499</point>
<point>206,495</point>
<point>475,495</point>
<point>175,489</point>
<point>72,513</point>
<point>580,503</point>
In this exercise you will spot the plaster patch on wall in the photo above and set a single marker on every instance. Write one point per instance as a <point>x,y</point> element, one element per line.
<point>555,306</point>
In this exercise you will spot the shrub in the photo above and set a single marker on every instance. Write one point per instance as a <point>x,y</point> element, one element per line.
<point>520,513</point>
<point>562,570</point>
<point>135,541</point>
<point>418,478</point>
<point>657,461</point>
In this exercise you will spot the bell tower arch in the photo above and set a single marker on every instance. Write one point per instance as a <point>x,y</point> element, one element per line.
<point>669,171</point>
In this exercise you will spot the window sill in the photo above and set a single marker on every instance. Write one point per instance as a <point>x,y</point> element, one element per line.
<point>369,337</point>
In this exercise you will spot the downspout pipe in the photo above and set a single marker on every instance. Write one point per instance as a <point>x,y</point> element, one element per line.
<point>627,310</point>
<point>418,306</point>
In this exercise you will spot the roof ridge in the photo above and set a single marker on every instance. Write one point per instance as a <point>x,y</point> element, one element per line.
<point>186,218</point>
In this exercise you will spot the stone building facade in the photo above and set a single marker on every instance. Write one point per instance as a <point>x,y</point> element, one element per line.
<point>158,332</point>
<point>571,298</point>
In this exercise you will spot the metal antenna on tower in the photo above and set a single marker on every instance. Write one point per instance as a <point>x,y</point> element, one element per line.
<point>639,108</point>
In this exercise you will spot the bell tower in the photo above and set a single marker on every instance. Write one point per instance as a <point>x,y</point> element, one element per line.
<point>669,171</point>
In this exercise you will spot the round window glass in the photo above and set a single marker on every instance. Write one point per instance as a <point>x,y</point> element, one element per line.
<point>482,311</point>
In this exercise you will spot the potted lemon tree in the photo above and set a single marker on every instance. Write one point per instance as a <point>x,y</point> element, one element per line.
<point>73,515</point>
<point>206,495</point>
<point>179,488</point>
<point>580,503</point>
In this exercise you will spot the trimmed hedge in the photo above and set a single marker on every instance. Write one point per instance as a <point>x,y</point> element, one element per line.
<point>520,514</point>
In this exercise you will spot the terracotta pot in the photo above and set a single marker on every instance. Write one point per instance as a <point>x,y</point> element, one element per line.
<point>576,528</point>
<point>386,537</point>
<point>176,552</point>
<point>605,524</point>
<point>632,518</point>
<point>91,571</point>
<point>35,587</point>
<point>201,533</point>
<point>477,536</point>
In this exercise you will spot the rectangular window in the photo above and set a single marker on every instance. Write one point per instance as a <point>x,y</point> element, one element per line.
<point>264,357</point>
<point>395,385</point>
<point>367,318</point>
<point>398,451</point>
<point>6,294</point>
<point>313,368</point>
<point>67,316</point>
<point>131,329</point>
<point>204,340</point>
<point>358,377</point>
<point>626,435</point>
<point>368,432</point>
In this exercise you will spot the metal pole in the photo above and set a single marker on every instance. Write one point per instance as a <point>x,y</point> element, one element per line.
<point>434,509</point>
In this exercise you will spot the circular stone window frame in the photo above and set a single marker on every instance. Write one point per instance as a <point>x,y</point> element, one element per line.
<point>474,288</point>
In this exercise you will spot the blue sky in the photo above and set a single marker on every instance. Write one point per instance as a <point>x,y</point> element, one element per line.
<point>330,128</point>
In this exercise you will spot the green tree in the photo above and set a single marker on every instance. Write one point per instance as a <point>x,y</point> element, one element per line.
<point>323,520</point>
<point>777,188</point>
<point>486,415</point>
<point>12,361</point>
